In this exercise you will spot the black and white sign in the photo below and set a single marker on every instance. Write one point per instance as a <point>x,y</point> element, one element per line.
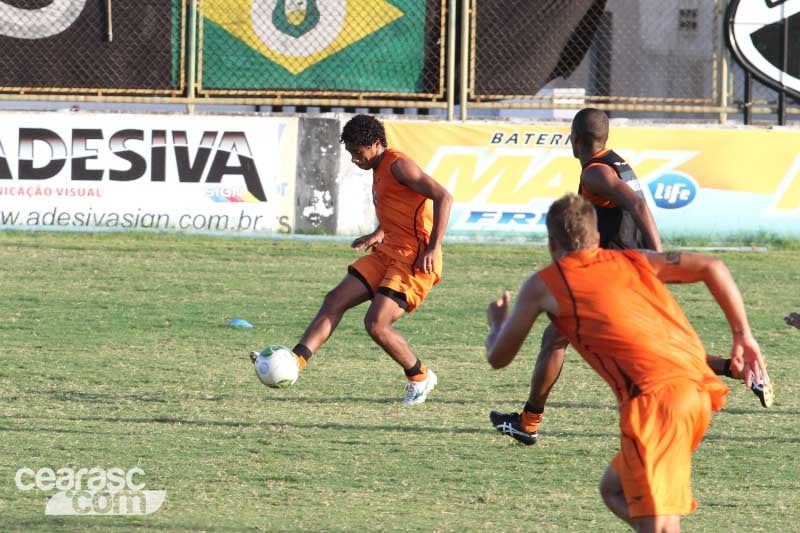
<point>756,37</point>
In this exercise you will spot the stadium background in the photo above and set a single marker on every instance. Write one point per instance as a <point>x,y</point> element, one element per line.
<point>223,115</point>
<point>520,68</point>
<point>203,117</point>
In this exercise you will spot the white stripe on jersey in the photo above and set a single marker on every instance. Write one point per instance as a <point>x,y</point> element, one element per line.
<point>634,184</point>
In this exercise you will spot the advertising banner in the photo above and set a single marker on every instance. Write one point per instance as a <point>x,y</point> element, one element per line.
<point>69,44</point>
<point>700,182</point>
<point>358,45</point>
<point>86,171</point>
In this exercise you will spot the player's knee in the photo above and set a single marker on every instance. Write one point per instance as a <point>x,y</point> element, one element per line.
<point>375,328</point>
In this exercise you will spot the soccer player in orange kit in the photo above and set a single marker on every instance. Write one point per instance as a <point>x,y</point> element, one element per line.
<point>624,221</point>
<point>613,307</point>
<point>405,260</point>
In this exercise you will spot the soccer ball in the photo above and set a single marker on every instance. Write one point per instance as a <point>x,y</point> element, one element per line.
<point>276,367</point>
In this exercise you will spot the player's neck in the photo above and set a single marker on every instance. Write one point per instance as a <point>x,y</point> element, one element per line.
<point>378,158</point>
<point>584,156</point>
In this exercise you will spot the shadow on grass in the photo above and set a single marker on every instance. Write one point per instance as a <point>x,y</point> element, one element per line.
<point>582,405</point>
<point>97,397</point>
<point>242,424</point>
<point>105,398</point>
<point>266,425</point>
<point>109,523</point>
<point>774,410</point>
<point>48,430</point>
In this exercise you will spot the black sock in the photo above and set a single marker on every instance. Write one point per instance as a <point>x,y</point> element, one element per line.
<point>726,368</point>
<point>414,370</point>
<point>532,410</point>
<point>303,351</point>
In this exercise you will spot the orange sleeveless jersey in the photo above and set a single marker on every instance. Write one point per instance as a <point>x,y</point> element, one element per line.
<point>626,324</point>
<point>405,216</point>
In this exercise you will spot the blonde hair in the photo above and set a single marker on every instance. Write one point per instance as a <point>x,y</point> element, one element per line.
<point>572,223</point>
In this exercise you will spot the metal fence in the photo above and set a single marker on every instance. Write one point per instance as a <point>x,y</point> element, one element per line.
<point>662,58</point>
<point>659,58</point>
<point>82,47</point>
<point>648,54</point>
<point>322,48</point>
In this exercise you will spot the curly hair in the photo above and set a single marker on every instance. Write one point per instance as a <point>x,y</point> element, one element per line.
<point>363,130</point>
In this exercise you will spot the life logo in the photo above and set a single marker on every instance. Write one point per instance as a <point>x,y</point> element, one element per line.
<point>673,190</point>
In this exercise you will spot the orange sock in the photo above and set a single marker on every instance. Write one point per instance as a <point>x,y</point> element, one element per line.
<point>530,421</point>
<point>301,362</point>
<point>423,373</point>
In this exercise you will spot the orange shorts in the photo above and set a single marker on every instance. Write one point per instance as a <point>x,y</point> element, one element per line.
<point>380,271</point>
<point>660,431</point>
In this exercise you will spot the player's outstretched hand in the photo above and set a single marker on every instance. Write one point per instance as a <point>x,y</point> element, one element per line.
<point>498,309</point>
<point>793,319</point>
<point>745,347</point>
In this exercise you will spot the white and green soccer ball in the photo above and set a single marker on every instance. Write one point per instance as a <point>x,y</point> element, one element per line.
<point>276,367</point>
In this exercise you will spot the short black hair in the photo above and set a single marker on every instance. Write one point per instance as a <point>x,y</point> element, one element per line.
<point>363,130</point>
<point>591,123</point>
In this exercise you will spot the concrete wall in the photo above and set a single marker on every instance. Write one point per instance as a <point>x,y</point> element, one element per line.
<point>333,195</point>
<point>317,170</point>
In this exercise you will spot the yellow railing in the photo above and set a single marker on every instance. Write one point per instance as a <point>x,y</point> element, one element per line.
<point>404,56</point>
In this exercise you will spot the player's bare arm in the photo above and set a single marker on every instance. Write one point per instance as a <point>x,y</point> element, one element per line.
<point>507,331</point>
<point>370,239</point>
<point>412,176</point>
<point>678,267</point>
<point>602,181</point>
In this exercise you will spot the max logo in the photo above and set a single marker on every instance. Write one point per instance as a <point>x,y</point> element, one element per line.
<point>673,191</point>
<point>755,36</point>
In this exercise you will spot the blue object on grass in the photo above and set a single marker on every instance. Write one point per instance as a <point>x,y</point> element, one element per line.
<point>239,323</point>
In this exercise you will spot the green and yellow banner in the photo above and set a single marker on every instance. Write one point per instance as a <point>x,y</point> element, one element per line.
<point>355,45</point>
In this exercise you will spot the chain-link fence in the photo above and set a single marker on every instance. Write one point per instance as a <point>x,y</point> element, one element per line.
<point>762,100</point>
<point>322,47</point>
<point>664,57</point>
<point>656,58</point>
<point>92,47</point>
<point>623,51</point>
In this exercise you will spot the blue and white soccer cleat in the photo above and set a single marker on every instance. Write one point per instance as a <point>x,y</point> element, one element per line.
<point>416,392</point>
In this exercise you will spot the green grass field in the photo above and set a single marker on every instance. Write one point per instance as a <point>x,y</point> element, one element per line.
<point>116,353</point>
